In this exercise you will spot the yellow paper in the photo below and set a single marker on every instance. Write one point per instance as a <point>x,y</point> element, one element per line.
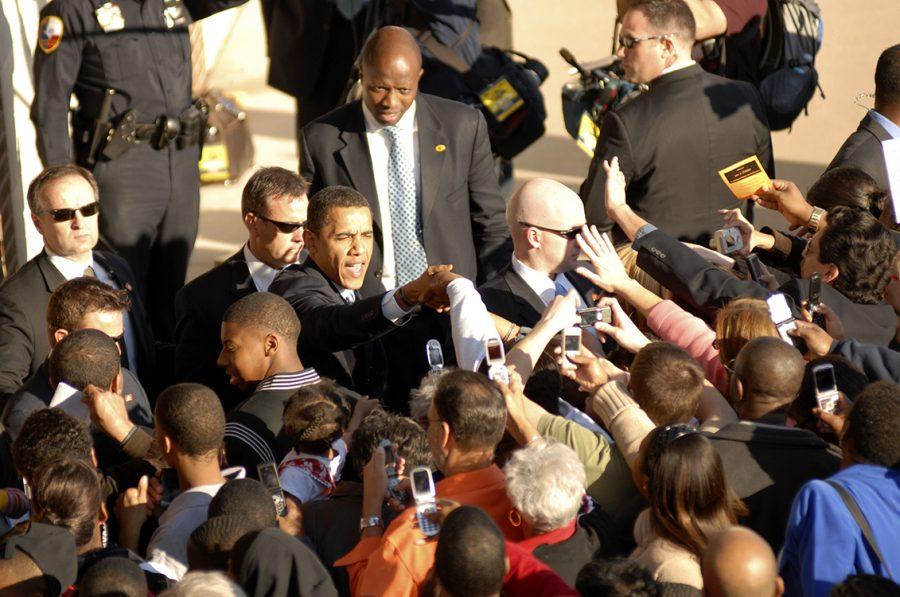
<point>745,177</point>
<point>501,99</point>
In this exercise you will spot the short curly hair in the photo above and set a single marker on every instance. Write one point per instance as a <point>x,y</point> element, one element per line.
<point>47,435</point>
<point>862,249</point>
<point>545,483</point>
<point>191,415</point>
<point>871,427</point>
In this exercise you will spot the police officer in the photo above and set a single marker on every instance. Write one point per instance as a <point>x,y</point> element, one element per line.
<point>128,62</point>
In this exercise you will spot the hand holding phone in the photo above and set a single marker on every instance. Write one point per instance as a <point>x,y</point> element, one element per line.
<point>827,395</point>
<point>496,360</point>
<point>424,496</point>
<point>268,475</point>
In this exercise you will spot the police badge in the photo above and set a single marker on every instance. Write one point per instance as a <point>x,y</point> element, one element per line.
<point>173,12</point>
<point>109,17</point>
<point>50,34</point>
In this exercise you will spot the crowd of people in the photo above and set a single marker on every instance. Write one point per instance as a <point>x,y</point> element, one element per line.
<point>405,384</point>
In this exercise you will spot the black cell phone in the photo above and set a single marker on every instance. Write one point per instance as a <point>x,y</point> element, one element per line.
<point>268,475</point>
<point>813,300</point>
<point>755,267</point>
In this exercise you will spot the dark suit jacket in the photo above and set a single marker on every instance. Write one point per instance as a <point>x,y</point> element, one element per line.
<point>199,308</point>
<point>671,142</point>
<point>332,527</point>
<point>339,340</point>
<point>766,465</point>
<point>862,150</point>
<point>705,289</point>
<point>24,296</point>
<point>463,220</point>
<point>510,297</point>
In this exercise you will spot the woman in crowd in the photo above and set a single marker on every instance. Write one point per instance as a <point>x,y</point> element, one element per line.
<point>681,476</point>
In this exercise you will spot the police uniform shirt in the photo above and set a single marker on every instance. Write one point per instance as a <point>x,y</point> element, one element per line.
<point>139,48</point>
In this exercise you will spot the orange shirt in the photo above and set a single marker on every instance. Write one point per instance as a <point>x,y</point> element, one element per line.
<point>398,562</point>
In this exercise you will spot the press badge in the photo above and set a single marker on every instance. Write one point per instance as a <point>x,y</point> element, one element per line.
<point>109,17</point>
<point>588,133</point>
<point>173,12</point>
<point>501,99</point>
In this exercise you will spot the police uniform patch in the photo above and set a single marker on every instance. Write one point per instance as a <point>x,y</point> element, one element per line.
<point>109,17</point>
<point>51,33</point>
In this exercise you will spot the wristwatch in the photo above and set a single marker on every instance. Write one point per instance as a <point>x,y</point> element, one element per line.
<point>370,521</point>
<point>813,223</point>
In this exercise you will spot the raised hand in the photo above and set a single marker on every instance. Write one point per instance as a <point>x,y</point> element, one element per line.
<point>785,198</point>
<point>615,185</point>
<point>609,273</point>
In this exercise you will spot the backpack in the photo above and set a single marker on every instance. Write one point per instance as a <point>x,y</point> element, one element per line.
<point>787,77</point>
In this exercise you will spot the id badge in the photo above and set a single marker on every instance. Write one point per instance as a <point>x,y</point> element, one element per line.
<point>173,13</point>
<point>501,99</point>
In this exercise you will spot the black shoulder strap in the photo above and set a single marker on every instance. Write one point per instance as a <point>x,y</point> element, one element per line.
<point>861,521</point>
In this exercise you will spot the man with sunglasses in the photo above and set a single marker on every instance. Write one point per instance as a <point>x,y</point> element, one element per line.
<point>273,205</point>
<point>64,204</point>
<point>544,217</point>
<point>673,139</point>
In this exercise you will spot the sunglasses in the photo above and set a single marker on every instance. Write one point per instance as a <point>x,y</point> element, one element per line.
<point>629,42</point>
<point>569,234</point>
<point>67,213</point>
<point>285,227</point>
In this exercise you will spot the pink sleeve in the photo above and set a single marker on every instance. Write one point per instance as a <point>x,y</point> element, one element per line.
<point>673,324</point>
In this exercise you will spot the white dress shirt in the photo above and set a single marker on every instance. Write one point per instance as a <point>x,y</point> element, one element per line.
<point>541,283</point>
<point>262,274</point>
<point>75,269</point>
<point>379,153</point>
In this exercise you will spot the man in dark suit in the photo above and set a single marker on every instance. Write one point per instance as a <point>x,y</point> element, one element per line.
<point>64,203</point>
<point>544,218</point>
<point>312,46</point>
<point>673,139</point>
<point>862,149</point>
<point>424,164</point>
<point>80,303</point>
<point>273,205</point>
<point>340,330</point>
<point>851,251</point>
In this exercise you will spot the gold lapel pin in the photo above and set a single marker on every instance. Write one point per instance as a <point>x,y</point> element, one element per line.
<point>440,148</point>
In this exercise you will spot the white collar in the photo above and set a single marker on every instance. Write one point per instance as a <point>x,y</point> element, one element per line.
<point>262,274</point>
<point>678,65</point>
<point>538,281</point>
<point>348,294</point>
<point>68,268</point>
<point>406,122</point>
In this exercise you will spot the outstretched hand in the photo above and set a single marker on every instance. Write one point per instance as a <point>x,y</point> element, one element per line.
<point>615,186</point>
<point>785,198</point>
<point>609,273</point>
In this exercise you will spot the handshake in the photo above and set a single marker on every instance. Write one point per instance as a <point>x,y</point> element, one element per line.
<point>429,289</point>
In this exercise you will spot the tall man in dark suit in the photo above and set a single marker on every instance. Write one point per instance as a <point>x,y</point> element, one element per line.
<point>273,205</point>
<point>673,139</point>
<point>863,148</point>
<point>424,164</point>
<point>339,329</point>
<point>64,203</point>
<point>544,217</point>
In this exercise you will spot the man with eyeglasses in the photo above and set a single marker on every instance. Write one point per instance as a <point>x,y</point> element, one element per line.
<point>64,204</point>
<point>544,217</point>
<point>273,205</point>
<point>673,139</point>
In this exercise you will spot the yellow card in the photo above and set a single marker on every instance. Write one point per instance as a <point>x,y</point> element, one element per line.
<point>745,177</point>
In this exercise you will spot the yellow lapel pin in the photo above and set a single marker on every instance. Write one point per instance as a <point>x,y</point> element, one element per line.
<point>440,148</point>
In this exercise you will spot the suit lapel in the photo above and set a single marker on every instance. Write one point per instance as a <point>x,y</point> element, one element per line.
<point>357,162</point>
<point>241,281</point>
<point>524,294</point>
<point>431,159</point>
<point>52,276</point>
<point>873,126</point>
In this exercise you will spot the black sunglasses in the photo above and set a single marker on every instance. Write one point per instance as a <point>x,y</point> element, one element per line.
<point>67,213</point>
<point>569,234</point>
<point>285,227</point>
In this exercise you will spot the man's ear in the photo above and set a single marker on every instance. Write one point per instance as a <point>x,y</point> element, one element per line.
<point>271,344</point>
<point>59,334</point>
<point>104,514</point>
<point>118,383</point>
<point>250,221</point>
<point>446,434</point>
<point>94,458</point>
<point>779,587</point>
<point>831,273</point>
<point>37,223</point>
<point>308,237</point>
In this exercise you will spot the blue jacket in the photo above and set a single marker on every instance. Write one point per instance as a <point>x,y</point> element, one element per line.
<point>824,544</point>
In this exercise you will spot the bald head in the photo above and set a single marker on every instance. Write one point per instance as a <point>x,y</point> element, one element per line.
<point>739,563</point>
<point>389,72</point>
<point>552,206</point>
<point>770,372</point>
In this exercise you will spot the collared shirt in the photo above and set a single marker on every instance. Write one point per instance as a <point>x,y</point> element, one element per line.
<point>288,381</point>
<point>542,284</point>
<point>379,153</point>
<point>261,273</point>
<point>398,562</point>
<point>890,127</point>
<point>678,66</point>
<point>74,269</point>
